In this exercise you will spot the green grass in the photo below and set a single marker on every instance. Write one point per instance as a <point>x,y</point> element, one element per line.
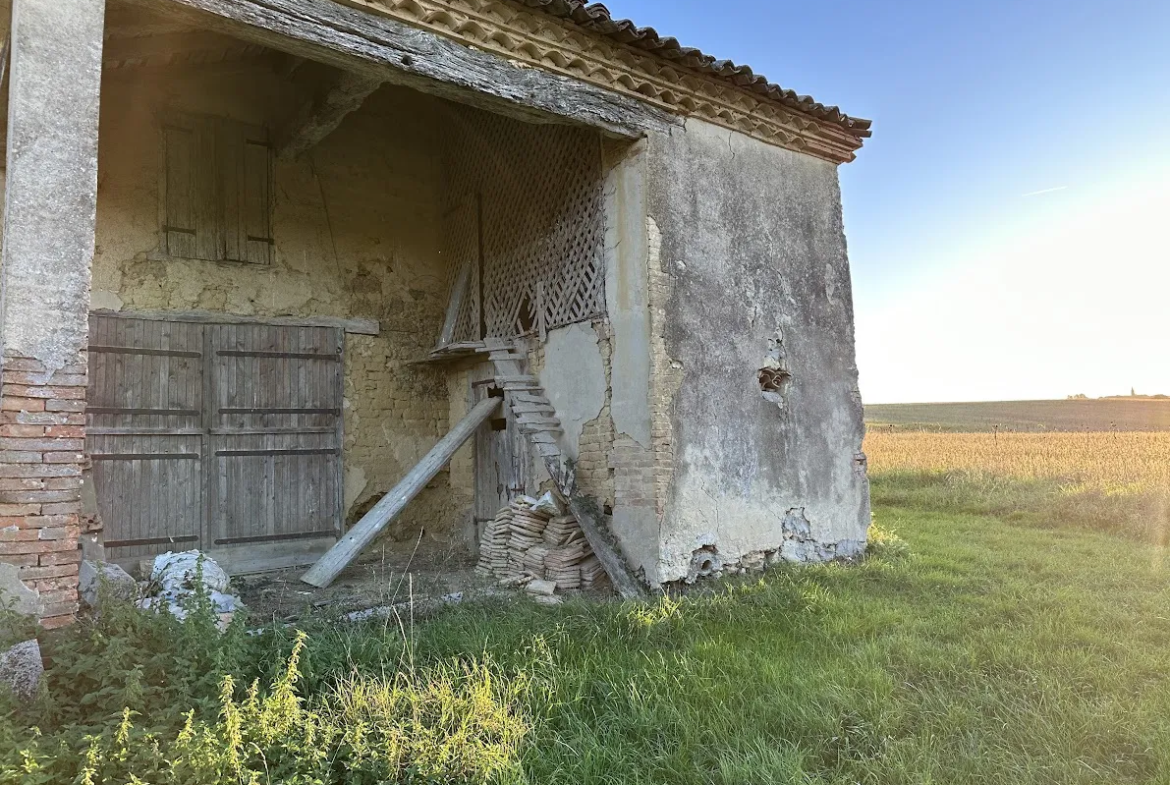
<point>1065,415</point>
<point>978,646</point>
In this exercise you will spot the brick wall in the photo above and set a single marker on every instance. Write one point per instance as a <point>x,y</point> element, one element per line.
<point>595,475</point>
<point>42,451</point>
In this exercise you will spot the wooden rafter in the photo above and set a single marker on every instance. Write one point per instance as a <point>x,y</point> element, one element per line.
<point>317,119</point>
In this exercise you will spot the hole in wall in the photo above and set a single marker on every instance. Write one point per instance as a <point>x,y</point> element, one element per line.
<point>774,377</point>
<point>705,562</point>
<point>774,380</point>
<point>499,423</point>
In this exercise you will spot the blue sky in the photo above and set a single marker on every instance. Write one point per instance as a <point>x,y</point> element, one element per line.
<point>1007,222</point>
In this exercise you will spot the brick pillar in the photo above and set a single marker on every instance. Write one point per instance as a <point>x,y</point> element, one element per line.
<point>48,243</point>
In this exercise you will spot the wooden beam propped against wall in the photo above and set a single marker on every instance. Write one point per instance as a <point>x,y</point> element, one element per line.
<point>393,503</point>
<point>317,119</point>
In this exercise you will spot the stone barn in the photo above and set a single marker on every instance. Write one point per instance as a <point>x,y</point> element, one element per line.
<point>266,260</point>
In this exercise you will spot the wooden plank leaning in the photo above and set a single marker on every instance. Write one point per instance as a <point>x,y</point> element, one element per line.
<point>392,504</point>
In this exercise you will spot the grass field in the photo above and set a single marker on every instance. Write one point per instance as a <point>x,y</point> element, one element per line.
<point>1009,625</point>
<point>974,650</point>
<point>1066,415</point>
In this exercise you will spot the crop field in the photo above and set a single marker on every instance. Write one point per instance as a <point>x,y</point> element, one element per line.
<point>1115,414</point>
<point>1111,460</point>
<point>1097,476</point>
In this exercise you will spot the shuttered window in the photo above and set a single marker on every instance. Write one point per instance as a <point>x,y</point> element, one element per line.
<point>216,190</point>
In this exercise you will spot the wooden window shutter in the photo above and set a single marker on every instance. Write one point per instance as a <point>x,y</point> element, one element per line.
<point>216,190</point>
<point>247,188</point>
<point>189,190</point>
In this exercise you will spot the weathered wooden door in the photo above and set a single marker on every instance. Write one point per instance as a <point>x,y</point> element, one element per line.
<point>223,437</point>
<point>503,468</point>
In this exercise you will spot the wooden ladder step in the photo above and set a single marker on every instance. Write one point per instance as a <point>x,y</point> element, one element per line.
<point>533,408</point>
<point>531,428</point>
<point>528,397</point>
<point>506,357</point>
<point>548,451</point>
<point>535,417</point>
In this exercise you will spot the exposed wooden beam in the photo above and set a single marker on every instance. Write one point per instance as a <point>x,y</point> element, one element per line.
<point>317,119</point>
<point>351,326</point>
<point>370,43</point>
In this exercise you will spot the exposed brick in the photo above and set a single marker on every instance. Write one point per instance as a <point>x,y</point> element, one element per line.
<point>54,445</point>
<point>43,572</point>
<point>59,557</point>
<point>13,404</point>
<point>65,432</point>
<point>38,547</point>
<point>39,470</point>
<point>61,534</point>
<point>38,497</point>
<point>22,559</point>
<point>14,456</point>
<point>63,607</point>
<point>16,534</point>
<point>62,508</point>
<point>57,622</point>
<point>48,392</point>
<point>61,483</point>
<point>60,587</point>
<point>49,521</point>
<point>35,379</point>
<point>36,366</point>
<point>65,406</point>
<point>17,509</point>
<point>42,418</point>
<point>22,483</point>
<point>62,457</point>
<point>22,431</point>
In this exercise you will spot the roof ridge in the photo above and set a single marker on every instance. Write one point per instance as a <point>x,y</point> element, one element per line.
<point>595,17</point>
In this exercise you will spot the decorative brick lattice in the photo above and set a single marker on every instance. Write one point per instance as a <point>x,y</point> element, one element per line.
<point>42,452</point>
<point>539,191</point>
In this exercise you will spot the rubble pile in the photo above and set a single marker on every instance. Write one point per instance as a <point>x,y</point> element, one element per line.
<point>529,540</point>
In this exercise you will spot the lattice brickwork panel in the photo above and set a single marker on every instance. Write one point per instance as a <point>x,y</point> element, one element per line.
<point>541,208</point>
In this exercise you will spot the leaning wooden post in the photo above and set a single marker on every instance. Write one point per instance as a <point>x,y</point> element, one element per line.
<point>392,504</point>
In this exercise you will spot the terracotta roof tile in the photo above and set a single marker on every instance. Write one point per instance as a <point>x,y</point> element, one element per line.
<point>597,18</point>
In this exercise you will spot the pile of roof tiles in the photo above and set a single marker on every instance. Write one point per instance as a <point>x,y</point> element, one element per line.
<point>526,541</point>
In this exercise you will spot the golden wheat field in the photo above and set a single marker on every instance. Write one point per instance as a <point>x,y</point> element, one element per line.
<point>1138,460</point>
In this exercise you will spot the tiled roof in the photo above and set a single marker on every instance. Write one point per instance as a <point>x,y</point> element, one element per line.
<point>596,17</point>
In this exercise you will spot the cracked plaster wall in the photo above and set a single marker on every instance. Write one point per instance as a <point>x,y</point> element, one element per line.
<point>746,240</point>
<point>356,224</point>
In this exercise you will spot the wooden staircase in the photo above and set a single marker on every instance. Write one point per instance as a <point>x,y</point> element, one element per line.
<point>537,419</point>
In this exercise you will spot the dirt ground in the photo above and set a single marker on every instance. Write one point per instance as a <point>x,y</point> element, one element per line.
<point>390,573</point>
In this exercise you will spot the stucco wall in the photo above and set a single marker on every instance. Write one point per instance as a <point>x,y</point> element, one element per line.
<point>356,225</point>
<point>748,270</point>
